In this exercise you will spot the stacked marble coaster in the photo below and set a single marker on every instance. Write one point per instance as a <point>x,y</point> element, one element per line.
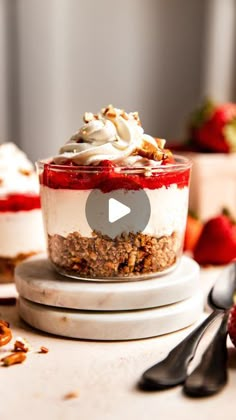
<point>108,310</point>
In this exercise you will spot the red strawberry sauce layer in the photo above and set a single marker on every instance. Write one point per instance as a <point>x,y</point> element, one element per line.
<point>19,202</point>
<point>106,178</point>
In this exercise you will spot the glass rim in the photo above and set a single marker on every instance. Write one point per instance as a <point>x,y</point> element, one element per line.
<point>182,163</point>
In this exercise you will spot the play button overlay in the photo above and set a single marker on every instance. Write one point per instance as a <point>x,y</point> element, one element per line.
<point>119,211</point>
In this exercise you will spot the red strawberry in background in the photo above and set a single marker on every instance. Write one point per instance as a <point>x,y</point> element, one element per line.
<point>217,242</point>
<point>213,128</point>
<point>232,325</point>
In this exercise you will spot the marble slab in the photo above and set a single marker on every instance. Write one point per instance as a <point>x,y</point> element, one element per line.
<point>38,282</point>
<point>110,326</point>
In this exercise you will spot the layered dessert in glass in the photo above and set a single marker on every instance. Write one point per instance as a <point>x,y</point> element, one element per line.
<point>21,223</point>
<point>111,153</point>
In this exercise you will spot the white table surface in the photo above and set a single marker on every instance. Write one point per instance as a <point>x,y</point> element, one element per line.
<point>105,374</point>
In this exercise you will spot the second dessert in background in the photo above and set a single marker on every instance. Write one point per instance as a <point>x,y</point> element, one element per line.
<point>211,146</point>
<point>21,224</point>
<point>109,153</point>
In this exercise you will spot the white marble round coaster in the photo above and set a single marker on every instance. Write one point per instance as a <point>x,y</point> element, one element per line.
<point>38,282</point>
<point>124,325</point>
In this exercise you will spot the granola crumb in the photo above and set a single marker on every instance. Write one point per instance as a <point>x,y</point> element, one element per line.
<point>71,395</point>
<point>25,172</point>
<point>14,358</point>
<point>21,345</point>
<point>127,255</point>
<point>43,350</point>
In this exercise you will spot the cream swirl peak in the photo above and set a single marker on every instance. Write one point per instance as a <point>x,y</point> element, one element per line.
<point>113,135</point>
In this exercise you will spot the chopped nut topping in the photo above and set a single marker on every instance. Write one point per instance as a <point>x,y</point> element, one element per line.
<point>14,358</point>
<point>149,151</point>
<point>124,115</point>
<point>136,117</point>
<point>72,394</point>
<point>43,349</point>
<point>25,172</point>
<point>110,112</point>
<point>88,116</point>
<point>105,110</point>
<point>167,154</point>
<point>21,345</point>
<point>161,143</point>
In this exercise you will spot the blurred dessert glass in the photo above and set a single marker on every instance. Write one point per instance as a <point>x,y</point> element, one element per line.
<point>21,224</point>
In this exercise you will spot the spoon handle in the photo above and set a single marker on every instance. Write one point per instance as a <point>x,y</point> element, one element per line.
<point>172,370</point>
<point>210,376</point>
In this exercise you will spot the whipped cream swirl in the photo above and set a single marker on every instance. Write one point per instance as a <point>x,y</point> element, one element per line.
<point>112,135</point>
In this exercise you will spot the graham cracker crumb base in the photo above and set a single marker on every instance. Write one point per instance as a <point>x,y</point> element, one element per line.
<point>127,255</point>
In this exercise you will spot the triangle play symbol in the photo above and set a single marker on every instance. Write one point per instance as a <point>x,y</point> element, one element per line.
<point>116,210</point>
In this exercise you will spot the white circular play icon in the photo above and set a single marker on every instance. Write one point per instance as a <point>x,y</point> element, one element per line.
<point>122,210</point>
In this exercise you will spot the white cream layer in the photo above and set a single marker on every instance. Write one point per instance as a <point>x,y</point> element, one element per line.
<point>64,211</point>
<point>21,232</point>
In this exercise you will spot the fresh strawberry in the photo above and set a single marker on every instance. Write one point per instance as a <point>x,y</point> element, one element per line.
<point>210,139</point>
<point>213,128</point>
<point>232,324</point>
<point>217,242</point>
<point>192,233</point>
<point>224,114</point>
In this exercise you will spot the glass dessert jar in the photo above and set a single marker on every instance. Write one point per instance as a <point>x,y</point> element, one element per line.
<point>78,250</point>
<point>21,223</point>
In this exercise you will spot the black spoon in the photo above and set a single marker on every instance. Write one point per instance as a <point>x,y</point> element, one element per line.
<point>210,376</point>
<point>172,370</point>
